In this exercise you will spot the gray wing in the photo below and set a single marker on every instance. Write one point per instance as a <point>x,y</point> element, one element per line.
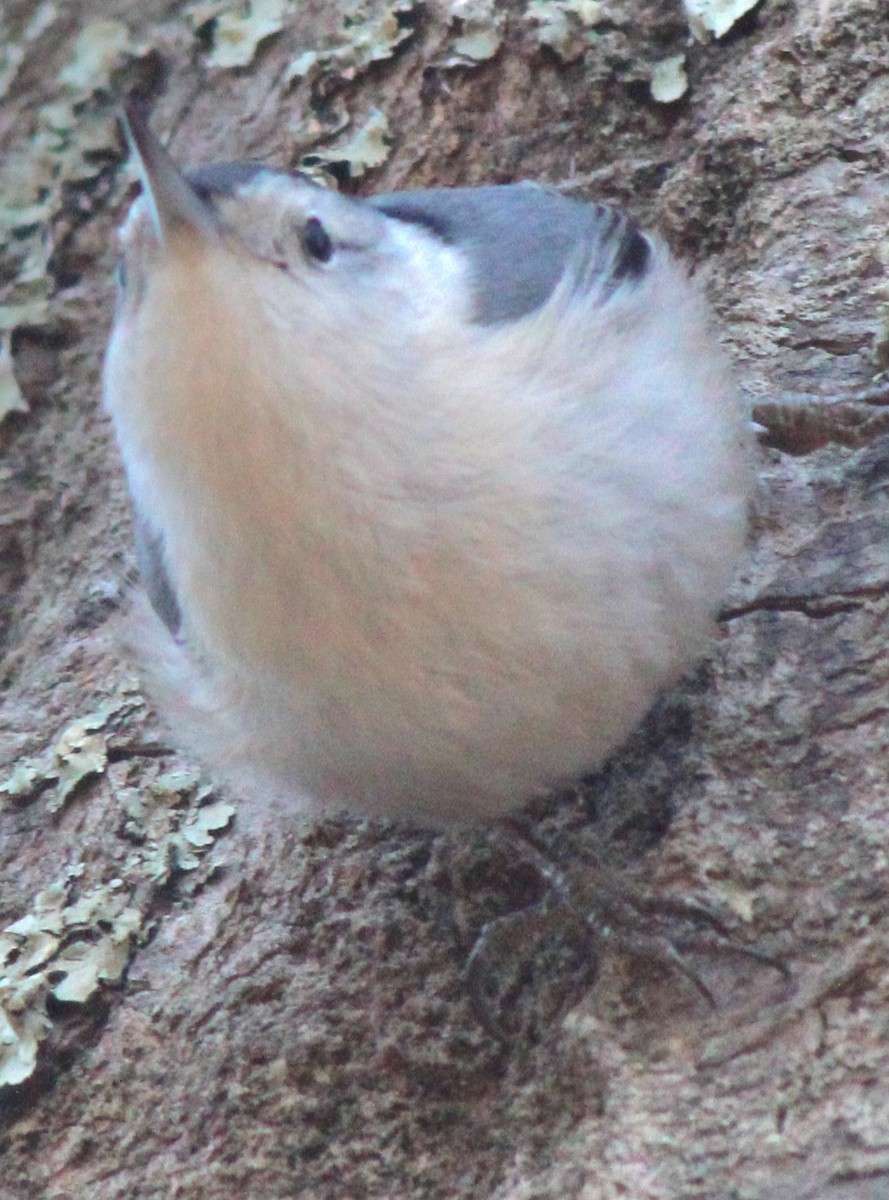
<point>520,239</point>
<point>149,546</point>
<point>223,179</point>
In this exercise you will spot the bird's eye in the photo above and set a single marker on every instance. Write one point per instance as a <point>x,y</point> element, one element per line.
<point>120,275</point>
<point>317,242</point>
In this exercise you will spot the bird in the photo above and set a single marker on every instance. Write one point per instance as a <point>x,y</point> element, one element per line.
<point>435,491</point>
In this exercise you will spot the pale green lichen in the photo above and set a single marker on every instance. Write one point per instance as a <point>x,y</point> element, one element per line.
<point>174,817</point>
<point>367,148</point>
<point>11,398</point>
<point>22,1029</point>
<point>64,948</point>
<point>97,48</point>
<point>669,81</point>
<point>12,51</point>
<point>715,17</point>
<point>239,31</point>
<point>206,822</point>
<point>77,938</point>
<point>71,140</point>
<point>79,753</point>
<point>371,33</point>
<point>478,31</point>
<point>28,312</point>
<point>567,27</point>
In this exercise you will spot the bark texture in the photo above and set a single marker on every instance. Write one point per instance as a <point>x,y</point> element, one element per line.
<point>292,1018</point>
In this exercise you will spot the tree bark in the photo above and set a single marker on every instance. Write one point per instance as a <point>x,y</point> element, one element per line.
<point>220,1005</point>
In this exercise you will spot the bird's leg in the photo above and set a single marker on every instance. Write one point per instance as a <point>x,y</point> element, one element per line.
<point>620,913</point>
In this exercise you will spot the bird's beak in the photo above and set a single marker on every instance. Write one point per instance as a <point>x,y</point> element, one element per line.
<point>175,206</point>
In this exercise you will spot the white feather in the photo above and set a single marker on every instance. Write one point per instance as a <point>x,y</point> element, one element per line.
<point>428,567</point>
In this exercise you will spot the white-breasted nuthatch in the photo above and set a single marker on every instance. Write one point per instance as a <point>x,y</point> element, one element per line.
<point>434,490</point>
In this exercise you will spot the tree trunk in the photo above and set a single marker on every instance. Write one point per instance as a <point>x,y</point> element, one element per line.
<point>202,1002</point>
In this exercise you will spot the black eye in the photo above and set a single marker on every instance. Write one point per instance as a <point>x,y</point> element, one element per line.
<point>317,241</point>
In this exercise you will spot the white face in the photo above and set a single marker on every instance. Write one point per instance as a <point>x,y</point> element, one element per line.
<point>275,305</point>
<point>333,249</point>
